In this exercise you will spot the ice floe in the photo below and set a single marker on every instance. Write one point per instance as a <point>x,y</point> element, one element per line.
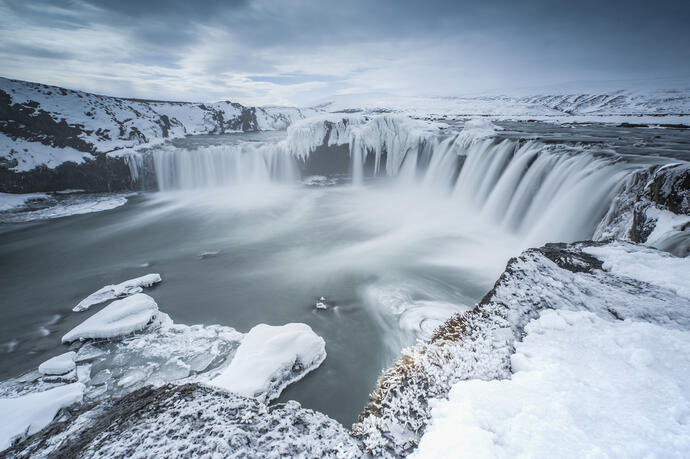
<point>27,414</point>
<point>111,292</point>
<point>119,318</point>
<point>59,365</point>
<point>270,358</point>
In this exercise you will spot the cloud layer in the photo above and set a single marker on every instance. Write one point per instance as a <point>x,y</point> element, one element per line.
<point>297,51</point>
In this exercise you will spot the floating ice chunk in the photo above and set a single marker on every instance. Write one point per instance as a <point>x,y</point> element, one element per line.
<point>29,413</point>
<point>119,318</point>
<point>58,365</point>
<point>322,303</point>
<point>110,292</point>
<point>270,358</point>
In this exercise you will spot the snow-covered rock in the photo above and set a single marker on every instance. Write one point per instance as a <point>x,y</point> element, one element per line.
<point>582,386</point>
<point>119,318</point>
<point>270,358</point>
<point>111,292</point>
<point>27,414</point>
<point>59,365</point>
<point>479,344</point>
<point>652,207</point>
<point>192,420</point>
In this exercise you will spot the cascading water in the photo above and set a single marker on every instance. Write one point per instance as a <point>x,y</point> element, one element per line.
<point>537,191</point>
<point>222,165</point>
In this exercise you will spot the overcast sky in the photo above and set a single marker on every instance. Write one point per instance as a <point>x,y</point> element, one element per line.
<point>299,51</point>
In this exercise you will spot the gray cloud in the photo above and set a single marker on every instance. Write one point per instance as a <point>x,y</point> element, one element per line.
<point>266,51</point>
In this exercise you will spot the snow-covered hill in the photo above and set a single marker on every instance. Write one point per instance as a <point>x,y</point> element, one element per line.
<point>48,125</point>
<point>665,104</point>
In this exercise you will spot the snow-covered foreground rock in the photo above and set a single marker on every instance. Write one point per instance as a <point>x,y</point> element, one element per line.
<point>582,386</point>
<point>110,292</point>
<point>119,318</point>
<point>479,344</point>
<point>28,414</point>
<point>271,358</point>
<point>191,420</point>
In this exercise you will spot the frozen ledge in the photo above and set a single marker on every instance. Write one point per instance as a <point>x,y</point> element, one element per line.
<point>479,344</point>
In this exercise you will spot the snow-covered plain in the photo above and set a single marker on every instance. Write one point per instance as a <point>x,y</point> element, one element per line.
<point>613,102</point>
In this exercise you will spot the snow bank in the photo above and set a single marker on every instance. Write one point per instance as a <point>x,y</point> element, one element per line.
<point>110,292</point>
<point>583,387</point>
<point>29,413</point>
<point>57,206</point>
<point>9,201</point>
<point>59,365</point>
<point>270,358</point>
<point>119,318</point>
<point>660,269</point>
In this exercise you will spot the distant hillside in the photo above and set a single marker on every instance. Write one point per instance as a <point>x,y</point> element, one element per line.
<point>46,125</point>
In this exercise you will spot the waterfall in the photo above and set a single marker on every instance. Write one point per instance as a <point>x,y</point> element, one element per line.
<point>540,192</point>
<point>222,166</point>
